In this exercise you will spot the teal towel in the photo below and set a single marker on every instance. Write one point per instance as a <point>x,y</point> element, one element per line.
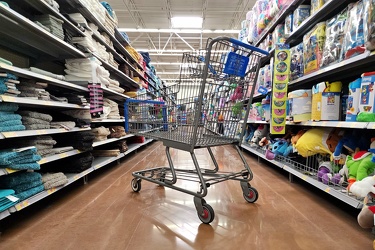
<point>5,203</point>
<point>3,87</point>
<point>7,181</point>
<point>10,123</point>
<point>33,158</point>
<point>9,117</point>
<point>25,186</point>
<point>25,166</point>
<point>12,128</point>
<point>8,107</point>
<point>30,192</point>
<point>7,157</point>
<point>6,192</point>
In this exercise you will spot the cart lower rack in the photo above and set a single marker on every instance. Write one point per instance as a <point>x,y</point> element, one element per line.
<point>197,114</point>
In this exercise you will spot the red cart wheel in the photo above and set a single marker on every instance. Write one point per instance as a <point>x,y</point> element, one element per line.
<point>208,214</point>
<point>252,196</point>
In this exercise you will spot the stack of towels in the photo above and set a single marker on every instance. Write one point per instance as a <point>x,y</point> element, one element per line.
<point>9,121</point>
<point>51,180</point>
<point>82,118</point>
<point>76,99</point>
<point>73,164</point>
<point>46,73</point>
<point>80,140</point>
<point>54,4</point>
<point>117,132</point>
<point>24,184</point>
<point>100,133</point>
<point>35,120</point>
<point>51,23</point>
<point>8,84</point>
<point>20,159</point>
<point>7,199</point>
<point>43,144</point>
<point>34,90</point>
<point>114,111</point>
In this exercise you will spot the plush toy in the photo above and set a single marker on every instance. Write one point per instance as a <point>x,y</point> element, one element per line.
<point>259,133</point>
<point>280,147</point>
<point>366,117</point>
<point>352,141</point>
<point>250,132</point>
<point>361,164</point>
<point>328,173</point>
<point>365,189</point>
<point>317,141</point>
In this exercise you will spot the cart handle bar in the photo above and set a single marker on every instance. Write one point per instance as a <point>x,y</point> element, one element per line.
<point>248,46</point>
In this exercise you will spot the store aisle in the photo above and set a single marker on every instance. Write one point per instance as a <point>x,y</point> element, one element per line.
<point>106,214</point>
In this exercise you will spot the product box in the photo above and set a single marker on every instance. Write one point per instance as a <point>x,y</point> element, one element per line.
<point>313,43</point>
<point>367,98</point>
<point>316,5</point>
<point>288,25</point>
<point>296,63</point>
<point>300,14</point>
<point>300,105</point>
<point>352,107</point>
<point>325,105</point>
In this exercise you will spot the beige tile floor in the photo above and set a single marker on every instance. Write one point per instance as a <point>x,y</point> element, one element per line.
<point>106,214</point>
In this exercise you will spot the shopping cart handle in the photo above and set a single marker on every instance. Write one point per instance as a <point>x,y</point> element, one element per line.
<point>248,46</point>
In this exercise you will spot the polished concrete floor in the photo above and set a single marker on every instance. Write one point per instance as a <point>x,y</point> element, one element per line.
<point>106,214</point>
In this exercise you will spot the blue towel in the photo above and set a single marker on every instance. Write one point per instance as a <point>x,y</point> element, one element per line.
<point>30,192</point>
<point>8,156</point>
<point>3,87</point>
<point>25,166</point>
<point>10,117</point>
<point>27,159</point>
<point>8,107</point>
<point>8,181</point>
<point>26,186</point>
<point>10,123</point>
<point>12,128</point>
<point>108,8</point>
<point>5,203</point>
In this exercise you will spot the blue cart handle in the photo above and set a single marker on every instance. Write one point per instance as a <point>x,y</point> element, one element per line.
<point>248,46</point>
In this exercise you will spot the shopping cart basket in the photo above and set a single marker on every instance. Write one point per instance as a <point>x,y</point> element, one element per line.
<point>196,113</point>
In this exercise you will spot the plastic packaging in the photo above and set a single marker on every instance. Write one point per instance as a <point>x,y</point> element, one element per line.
<point>313,43</point>
<point>296,64</point>
<point>300,14</point>
<point>316,5</point>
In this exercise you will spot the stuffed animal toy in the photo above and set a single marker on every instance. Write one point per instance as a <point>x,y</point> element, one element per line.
<point>361,164</point>
<point>328,173</point>
<point>259,133</point>
<point>250,132</point>
<point>353,141</point>
<point>280,147</point>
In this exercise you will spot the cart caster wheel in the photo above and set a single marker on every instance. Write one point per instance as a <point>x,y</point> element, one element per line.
<point>208,214</point>
<point>136,185</point>
<point>253,195</point>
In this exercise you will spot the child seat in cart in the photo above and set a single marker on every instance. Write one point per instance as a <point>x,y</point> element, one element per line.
<point>187,118</point>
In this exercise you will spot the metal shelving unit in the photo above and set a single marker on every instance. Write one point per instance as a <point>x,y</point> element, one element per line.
<point>99,143</point>
<point>59,156</point>
<point>24,133</point>
<point>22,35</point>
<point>336,192</point>
<point>107,120</point>
<point>97,164</point>
<point>24,101</point>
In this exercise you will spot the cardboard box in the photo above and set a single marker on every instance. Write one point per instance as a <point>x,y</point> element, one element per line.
<point>300,105</point>
<point>367,98</point>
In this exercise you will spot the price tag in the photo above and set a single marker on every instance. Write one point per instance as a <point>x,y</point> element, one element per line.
<point>304,177</point>
<point>373,125</point>
<point>42,161</point>
<point>353,124</point>
<point>76,177</point>
<point>324,124</point>
<point>98,166</point>
<point>63,155</point>
<point>327,189</point>
<point>285,167</point>
<point>8,98</point>
<point>341,124</point>
<point>10,134</point>
<point>41,132</point>
<point>22,205</point>
<point>52,190</point>
<point>9,171</point>
<point>12,198</point>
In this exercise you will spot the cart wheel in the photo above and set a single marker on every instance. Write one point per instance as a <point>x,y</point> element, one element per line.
<point>136,185</point>
<point>208,214</point>
<point>253,195</point>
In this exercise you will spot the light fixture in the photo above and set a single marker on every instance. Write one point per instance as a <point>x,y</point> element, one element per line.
<point>179,31</point>
<point>187,22</point>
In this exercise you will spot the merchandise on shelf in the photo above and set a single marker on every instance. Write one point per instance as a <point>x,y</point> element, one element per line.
<point>260,10</point>
<point>336,29</point>
<point>367,98</point>
<point>300,104</point>
<point>370,41</point>
<point>9,121</point>
<point>296,64</point>
<point>288,25</point>
<point>353,100</point>
<point>278,35</point>
<point>326,101</point>
<point>313,43</point>
<point>299,15</point>
<point>354,42</point>
<point>316,5</point>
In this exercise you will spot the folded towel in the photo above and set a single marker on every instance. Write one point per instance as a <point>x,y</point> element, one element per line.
<point>52,176</point>
<point>2,60</point>
<point>59,99</point>
<point>46,73</point>
<point>68,125</point>
<point>37,126</point>
<point>8,107</point>
<point>36,115</point>
<point>5,203</point>
<point>10,123</point>
<point>25,186</point>
<point>106,153</point>
<point>12,128</point>
<point>100,131</point>
<point>29,120</point>
<point>30,192</point>
<point>52,184</point>
<point>60,150</point>
<point>8,156</point>
<point>8,181</point>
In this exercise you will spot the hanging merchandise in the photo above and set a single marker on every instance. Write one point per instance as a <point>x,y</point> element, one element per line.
<point>313,43</point>
<point>280,88</point>
<point>96,99</point>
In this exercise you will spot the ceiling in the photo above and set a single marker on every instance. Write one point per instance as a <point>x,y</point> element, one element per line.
<point>166,47</point>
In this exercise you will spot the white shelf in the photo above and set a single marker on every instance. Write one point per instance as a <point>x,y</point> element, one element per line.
<point>336,192</point>
<point>23,133</point>
<point>114,95</point>
<point>107,120</point>
<point>339,124</point>
<point>24,101</point>
<point>31,75</point>
<point>59,156</point>
<point>5,171</point>
<point>99,143</point>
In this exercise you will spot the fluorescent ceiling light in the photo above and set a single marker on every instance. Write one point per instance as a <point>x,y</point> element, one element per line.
<point>186,22</point>
<point>186,31</point>
<point>164,54</point>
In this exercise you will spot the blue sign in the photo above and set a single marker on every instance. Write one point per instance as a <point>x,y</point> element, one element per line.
<point>236,64</point>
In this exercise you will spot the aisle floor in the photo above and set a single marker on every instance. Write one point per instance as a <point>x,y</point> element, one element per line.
<point>106,214</point>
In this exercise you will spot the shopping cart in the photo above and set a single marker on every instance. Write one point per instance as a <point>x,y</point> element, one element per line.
<point>196,113</point>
